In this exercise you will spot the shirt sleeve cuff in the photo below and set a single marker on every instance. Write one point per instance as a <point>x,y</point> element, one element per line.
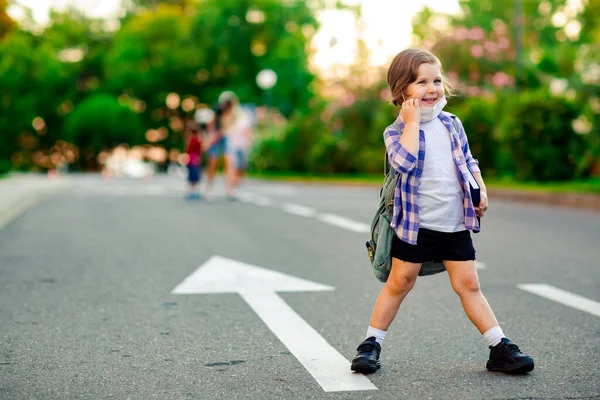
<point>474,167</point>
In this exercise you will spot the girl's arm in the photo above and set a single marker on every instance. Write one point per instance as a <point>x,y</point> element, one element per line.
<point>399,157</point>
<point>403,149</point>
<point>479,180</point>
<point>410,113</point>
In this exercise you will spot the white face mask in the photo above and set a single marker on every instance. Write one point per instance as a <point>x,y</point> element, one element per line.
<point>429,113</point>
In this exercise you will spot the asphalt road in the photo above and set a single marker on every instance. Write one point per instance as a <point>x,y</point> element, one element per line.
<point>87,308</point>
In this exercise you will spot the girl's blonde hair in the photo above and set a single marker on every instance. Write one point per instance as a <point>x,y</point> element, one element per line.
<point>404,70</point>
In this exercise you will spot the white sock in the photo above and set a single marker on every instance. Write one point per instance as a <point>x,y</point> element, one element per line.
<point>378,333</point>
<point>492,336</point>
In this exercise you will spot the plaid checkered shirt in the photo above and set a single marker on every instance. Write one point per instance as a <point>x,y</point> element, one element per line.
<point>405,218</point>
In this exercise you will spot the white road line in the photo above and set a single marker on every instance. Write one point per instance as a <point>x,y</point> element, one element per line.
<point>261,201</point>
<point>328,367</point>
<point>254,198</point>
<point>299,210</point>
<point>344,222</point>
<point>122,191</point>
<point>245,196</point>
<point>282,191</point>
<point>563,297</point>
<point>332,219</point>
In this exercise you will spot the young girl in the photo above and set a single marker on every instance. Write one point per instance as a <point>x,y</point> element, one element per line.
<point>433,210</point>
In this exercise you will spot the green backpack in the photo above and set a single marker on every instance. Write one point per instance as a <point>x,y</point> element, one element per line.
<point>379,245</point>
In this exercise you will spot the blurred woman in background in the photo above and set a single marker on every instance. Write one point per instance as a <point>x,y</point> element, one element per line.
<point>236,125</point>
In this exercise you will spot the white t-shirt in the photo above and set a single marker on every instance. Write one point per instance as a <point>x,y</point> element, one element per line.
<point>440,195</point>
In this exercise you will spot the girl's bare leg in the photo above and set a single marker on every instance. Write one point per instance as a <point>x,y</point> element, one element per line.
<point>230,174</point>
<point>401,280</point>
<point>211,171</point>
<point>465,282</point>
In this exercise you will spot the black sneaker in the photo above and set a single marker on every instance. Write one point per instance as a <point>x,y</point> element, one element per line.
<point>506,357</point>
<point>367,359</point>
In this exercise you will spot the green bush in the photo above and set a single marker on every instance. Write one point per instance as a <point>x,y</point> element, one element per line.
<point>363,124</point>
<point>287,148</point>
<point>5,167</point>
<point>371,160</point>
<point>539,137</point>
<point>269,154</point>
<point>330,155</point>
<point>479,117</point>
<point>101,122</point>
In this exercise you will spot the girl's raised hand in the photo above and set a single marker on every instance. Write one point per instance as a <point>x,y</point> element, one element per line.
<point>410,111</point>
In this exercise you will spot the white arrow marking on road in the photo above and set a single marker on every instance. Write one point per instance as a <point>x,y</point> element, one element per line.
<point>258,286</point>
<point>563,297</point>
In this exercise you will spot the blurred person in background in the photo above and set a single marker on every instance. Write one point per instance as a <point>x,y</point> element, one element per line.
<point>194,152</point>
<point>236,125</point>
<point>216,145</point>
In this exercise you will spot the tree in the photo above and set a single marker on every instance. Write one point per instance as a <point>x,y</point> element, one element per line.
<point>31,77</point>
<point>152,56</point>
<point>100,122</point>
<point>499,43</point>
<point>241,37</point>
<point>6,22</point>
<point>42,77</point>
<point>524,45</point>
<point>587,79</point>
<point>133,5</point>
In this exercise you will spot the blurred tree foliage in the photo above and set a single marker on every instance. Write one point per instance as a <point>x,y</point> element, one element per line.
<point>100,122</point>
<point>479,117</point>
<point>242,37</point>
<point>517,58</point>
<point>151,56</point>
<point>541,139</point>
<point>500,43</point>
<point>6,22</point>
<point>528,73</point>
<point>187,51</point>
<point>341,136</point>
<point>34,82</point>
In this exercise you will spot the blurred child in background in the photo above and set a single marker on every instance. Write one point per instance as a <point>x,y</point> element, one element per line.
<point>194,152</point>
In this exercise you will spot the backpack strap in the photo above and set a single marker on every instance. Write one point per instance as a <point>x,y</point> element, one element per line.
<point>457,128</point>
<point>455,123</point>
<point>386,165</point>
